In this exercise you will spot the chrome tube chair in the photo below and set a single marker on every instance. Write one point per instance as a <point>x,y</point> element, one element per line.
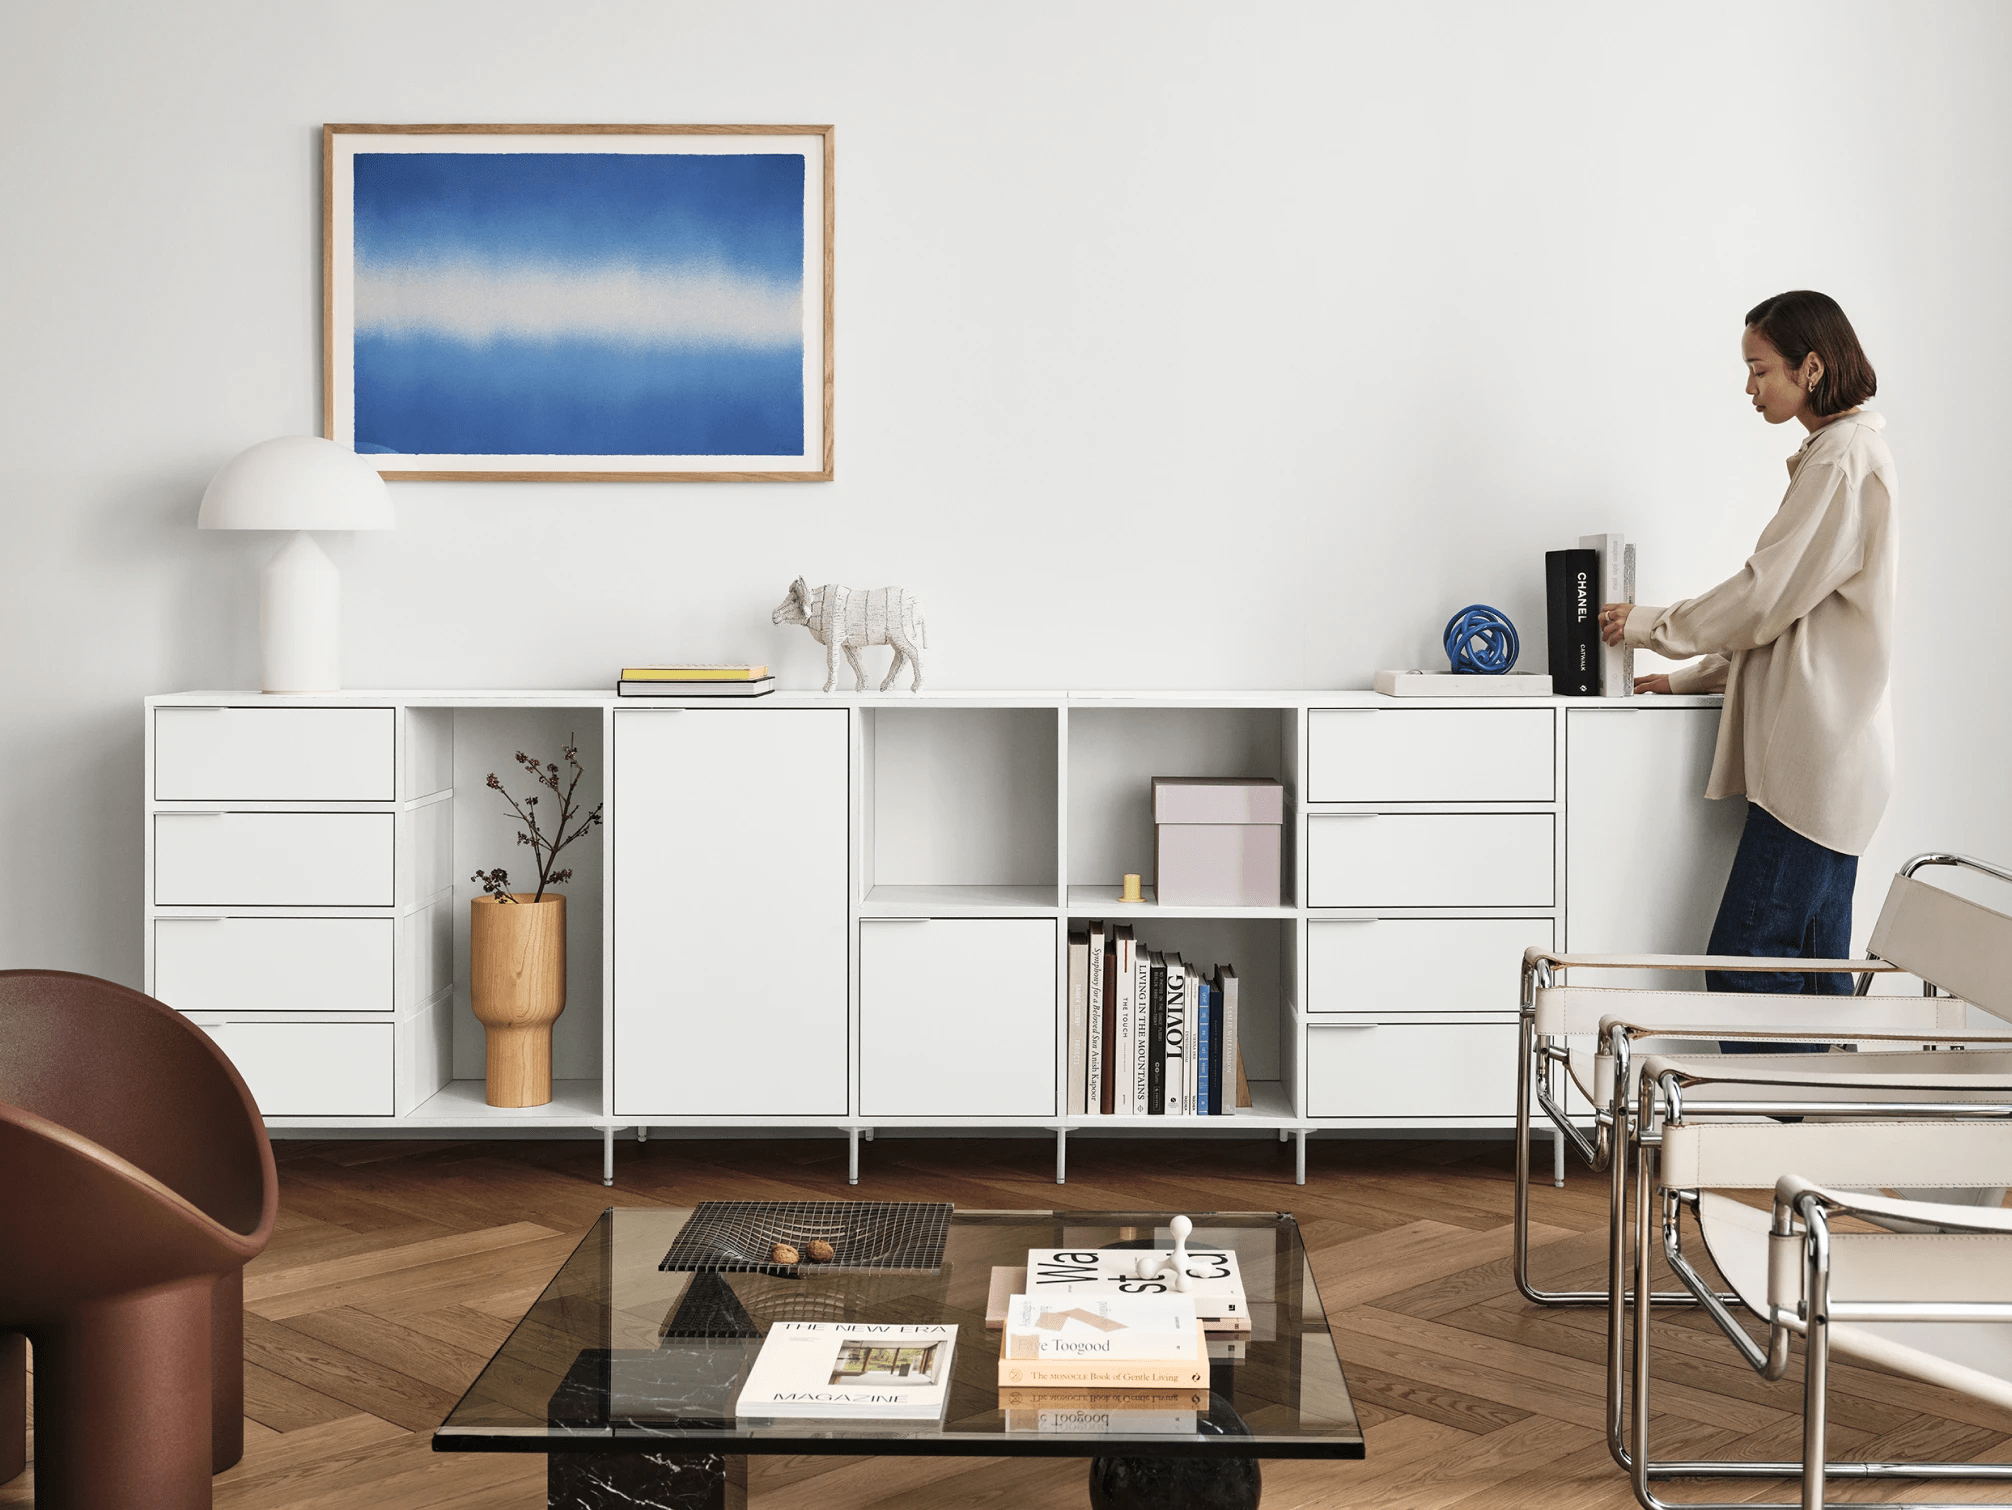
<point>1946,941</point>
<point>1932,1301</point>
<point>1562,1040</point>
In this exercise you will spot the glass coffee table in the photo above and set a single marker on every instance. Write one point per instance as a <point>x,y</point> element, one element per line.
<point>626,1373</point>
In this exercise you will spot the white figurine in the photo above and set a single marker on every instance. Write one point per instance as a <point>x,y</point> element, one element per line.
<point>1172,1267</point>
<point>845,618</point>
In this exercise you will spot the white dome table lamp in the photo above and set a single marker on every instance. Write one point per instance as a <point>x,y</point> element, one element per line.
<point>298,483</point>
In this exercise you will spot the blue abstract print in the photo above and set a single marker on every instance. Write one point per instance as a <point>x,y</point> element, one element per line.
<point>579,304</point>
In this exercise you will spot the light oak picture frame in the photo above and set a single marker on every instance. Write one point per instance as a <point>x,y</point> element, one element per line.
<point>583,303</point>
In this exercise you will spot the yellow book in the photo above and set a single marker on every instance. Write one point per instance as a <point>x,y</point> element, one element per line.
<point>693,673</point>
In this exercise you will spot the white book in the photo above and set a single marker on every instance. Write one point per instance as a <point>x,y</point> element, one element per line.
<point>1215,1283</point>
<point>1616,576</point>
<point>1192,1066</point>
<point>1232,1053</point>
<point>1079,1018</point>
<point>1093,1076</point>
<point>849,1370</point>
<point>1174,1081</point>
<point>1121,1078</point>
<point>1142,1038</point>
<point>1161,1327</point>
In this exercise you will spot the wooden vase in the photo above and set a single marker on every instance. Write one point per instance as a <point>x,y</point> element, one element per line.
<point>517,986</point>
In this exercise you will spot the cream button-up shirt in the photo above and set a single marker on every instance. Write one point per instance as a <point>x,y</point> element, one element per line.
<point>1801,639</point>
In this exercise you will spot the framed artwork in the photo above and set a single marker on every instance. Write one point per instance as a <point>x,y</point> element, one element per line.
<point>599,303</point>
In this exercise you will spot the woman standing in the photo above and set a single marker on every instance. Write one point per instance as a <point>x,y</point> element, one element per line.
<point>1800,639</point>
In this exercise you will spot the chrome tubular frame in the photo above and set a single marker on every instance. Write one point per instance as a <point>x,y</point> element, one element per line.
<point>1814,1469</point>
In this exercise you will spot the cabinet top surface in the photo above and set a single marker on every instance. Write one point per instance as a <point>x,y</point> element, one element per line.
<point>599,697</point>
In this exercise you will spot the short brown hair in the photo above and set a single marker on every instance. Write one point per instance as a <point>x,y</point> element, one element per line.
<point>1801,321</point>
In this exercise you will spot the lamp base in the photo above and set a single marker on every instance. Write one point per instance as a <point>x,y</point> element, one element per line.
<point>300,619</point>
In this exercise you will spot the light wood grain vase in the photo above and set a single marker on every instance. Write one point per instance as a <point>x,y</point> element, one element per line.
<point>517,986</point>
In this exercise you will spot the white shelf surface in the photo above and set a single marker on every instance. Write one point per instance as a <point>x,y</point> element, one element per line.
<point>956,901</point>
<point>574,1103</point>
<point>1102,901</point>
<point>1270,1107</point>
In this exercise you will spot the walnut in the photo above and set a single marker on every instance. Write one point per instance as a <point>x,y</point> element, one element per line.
<point>818,1251</point>
<point>783,1253</point>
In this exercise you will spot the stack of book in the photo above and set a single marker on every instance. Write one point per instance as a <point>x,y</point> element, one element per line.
<point>1126,1342</point>
<point>689,681</point>
<point>1150,1035</point>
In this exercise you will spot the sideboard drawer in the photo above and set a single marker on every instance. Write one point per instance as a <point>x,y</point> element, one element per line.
<point>210,754</point>
<point>1431,755</point>
<point>262,964</point>
<point>1430,860</point>
<point>1451,1070</point>
<point>274,860</point>
<point>1392,966</point>
<point>313,1069</point>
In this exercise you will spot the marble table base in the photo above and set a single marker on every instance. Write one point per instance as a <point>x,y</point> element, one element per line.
<point>645,1481</point>
<point>1174,1483</point>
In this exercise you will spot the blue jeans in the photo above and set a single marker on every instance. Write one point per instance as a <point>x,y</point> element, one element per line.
<point>1787,898</point>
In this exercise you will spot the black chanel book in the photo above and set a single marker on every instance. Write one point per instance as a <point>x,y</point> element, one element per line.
<point>1572,618</point>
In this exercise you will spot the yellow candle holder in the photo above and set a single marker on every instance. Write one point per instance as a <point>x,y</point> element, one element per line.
<point>1132,893</point>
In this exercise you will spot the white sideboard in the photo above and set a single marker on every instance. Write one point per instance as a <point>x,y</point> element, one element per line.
<point>851,912</point>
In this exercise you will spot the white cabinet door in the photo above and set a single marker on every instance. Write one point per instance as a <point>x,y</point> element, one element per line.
<point>1431,755</point>
<point>1646,855</point>
<point>730,860</point>
<point>1429,860</point>
<point>957,1017</point>
<point>1451,1071</point>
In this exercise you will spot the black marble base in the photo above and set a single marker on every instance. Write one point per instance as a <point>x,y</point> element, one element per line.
<point>645,1481</point>
<point>1212,1483</point>
<point>1174,1484</point>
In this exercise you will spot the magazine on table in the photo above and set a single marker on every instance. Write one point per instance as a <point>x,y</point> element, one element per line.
<point>850,1371</point>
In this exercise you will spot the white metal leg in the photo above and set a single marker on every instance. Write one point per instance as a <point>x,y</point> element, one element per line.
<point>1557,1158</point>
<point>1061,1156</point>
<point>1282,1132</point>
<point>607,1156</point>
<point>642,1135</point>
<point>852,1156</point>
<point>868,1133</point>
<point>1299,1170</point>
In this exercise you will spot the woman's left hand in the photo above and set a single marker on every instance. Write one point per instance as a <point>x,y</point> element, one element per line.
<point>1614,622</point>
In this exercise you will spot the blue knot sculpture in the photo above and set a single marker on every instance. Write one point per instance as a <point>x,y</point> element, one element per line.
<point>1480,641</point>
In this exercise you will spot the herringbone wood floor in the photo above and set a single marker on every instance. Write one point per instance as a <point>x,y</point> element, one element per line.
<point>398,1268</point>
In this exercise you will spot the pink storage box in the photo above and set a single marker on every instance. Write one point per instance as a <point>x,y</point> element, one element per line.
<point>1217,841</point>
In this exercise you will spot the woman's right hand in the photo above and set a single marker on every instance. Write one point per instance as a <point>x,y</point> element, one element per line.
<point>1660,682</point>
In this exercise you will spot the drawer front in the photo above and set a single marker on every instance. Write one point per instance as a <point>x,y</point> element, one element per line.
<point>1430,860</point>
<point>1452,1070</point>
<point>1402,966</point>
<point>957,1017</point>
<point>273,754</point>
<point>1431,755</point>
<point>274,860</point>
<point>275,964</point>
<point>313,1069</point>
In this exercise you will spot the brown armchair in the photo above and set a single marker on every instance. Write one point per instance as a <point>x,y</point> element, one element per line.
<point>135,1183</point>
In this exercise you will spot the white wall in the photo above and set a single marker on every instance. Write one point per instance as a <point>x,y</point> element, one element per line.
<point>1335,314</point>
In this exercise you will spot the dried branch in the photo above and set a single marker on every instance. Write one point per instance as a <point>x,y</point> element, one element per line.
<point>545,846</point>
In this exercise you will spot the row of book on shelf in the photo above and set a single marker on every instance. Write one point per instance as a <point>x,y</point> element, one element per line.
<point>1150,1034</point>
<point>1083,1339</point>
